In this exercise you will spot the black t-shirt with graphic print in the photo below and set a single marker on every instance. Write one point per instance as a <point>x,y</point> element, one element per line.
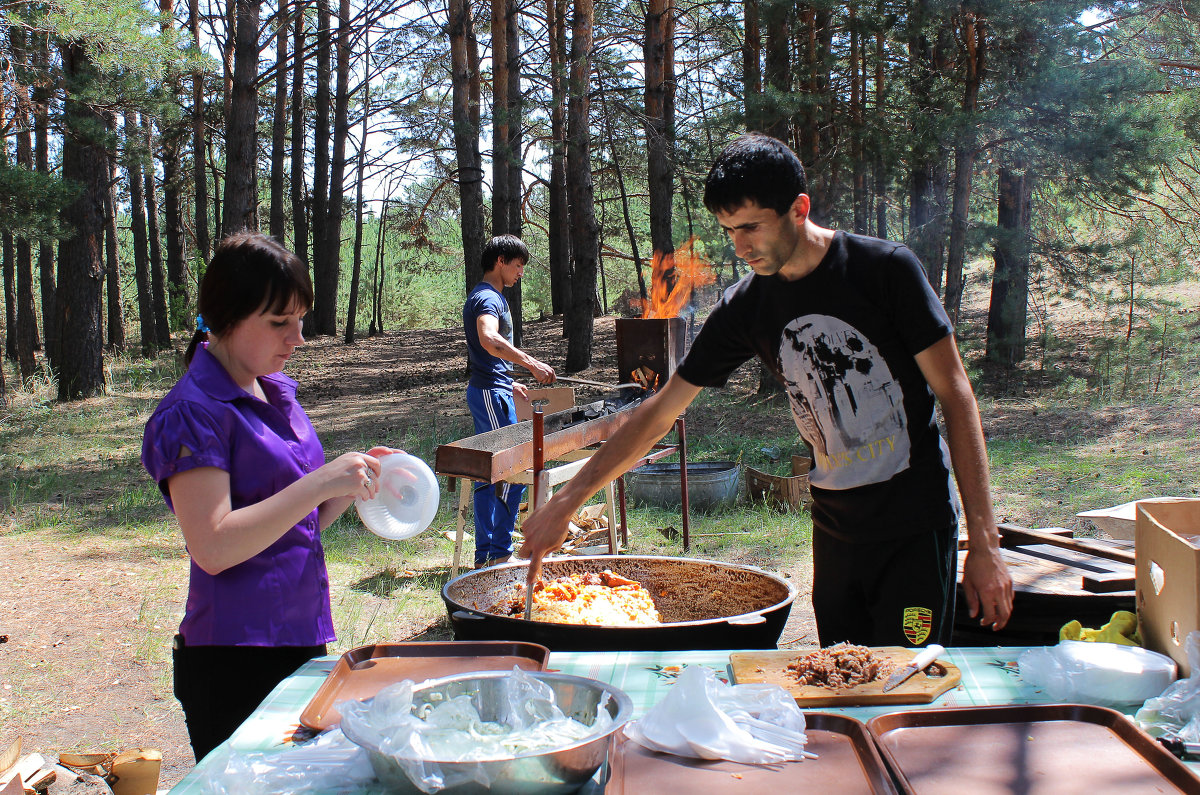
<point>842,340</point>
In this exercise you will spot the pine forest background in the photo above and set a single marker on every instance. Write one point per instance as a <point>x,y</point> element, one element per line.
<point>1038,151</point>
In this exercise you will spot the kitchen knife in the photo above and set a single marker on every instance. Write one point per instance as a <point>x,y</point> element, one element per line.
<point>919,663</point>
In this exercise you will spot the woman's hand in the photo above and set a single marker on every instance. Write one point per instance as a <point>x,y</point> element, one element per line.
<point>350,475</point>
<point>357,472</point>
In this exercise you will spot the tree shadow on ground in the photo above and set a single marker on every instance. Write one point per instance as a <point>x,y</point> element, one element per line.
<point>388,581</point>
<point>439,630</point>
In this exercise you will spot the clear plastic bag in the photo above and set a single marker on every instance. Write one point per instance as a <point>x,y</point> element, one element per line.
<point>1105,674</point>
<point>702,717</point>
<point>328,764</point>
<point>1176,710</point>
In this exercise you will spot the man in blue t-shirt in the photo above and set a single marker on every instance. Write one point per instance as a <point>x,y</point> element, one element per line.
<point>851,327</point>
<point>487,323</point>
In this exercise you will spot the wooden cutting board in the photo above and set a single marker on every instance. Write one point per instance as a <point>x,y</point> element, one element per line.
<point>770,667</point>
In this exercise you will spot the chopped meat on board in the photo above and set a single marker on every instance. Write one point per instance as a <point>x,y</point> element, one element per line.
<point>839,667</point>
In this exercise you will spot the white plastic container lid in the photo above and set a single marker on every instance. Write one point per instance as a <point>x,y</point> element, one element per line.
<point>407,498</point>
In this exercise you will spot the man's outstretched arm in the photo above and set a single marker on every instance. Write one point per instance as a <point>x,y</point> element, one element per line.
<point>546,528</point>
<point>488,329</point>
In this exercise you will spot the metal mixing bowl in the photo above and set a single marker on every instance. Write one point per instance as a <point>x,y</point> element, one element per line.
<point>552,771</point>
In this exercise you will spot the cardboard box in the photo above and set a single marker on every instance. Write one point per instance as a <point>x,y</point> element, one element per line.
<point>1168,575</point>
<point>559,398</point>
<point>1119,521</point>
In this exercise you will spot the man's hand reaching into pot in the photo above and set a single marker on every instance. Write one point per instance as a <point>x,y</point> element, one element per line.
<point>545,531</point>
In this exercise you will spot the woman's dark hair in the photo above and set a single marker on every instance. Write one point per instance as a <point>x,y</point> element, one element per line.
<point>757,168</point>
<point>502,246</point>
<point>249,272</point>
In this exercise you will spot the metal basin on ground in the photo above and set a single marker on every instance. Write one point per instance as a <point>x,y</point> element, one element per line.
<point>711,485</point>
<point>704,604</point>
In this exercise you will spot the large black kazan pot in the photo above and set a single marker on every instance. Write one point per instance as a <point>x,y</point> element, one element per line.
<point>704,604</point>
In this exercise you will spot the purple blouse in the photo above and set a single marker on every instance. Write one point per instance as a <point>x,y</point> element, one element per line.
<point>280,597</point>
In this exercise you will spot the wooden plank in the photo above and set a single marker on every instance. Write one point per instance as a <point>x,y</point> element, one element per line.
<point>1087,565</point>
<point>1012,535</point>
<point>1032,574</point>
<point>1108,583</point>
<point>1058,531</point>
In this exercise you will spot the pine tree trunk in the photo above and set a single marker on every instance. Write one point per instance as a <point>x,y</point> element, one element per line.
<point>26,313</point>
<point>858,132</point>
<point>241,126</point>
<point>331,239</point>
<point>324,285</point>
<point>512,31</point>
<point>808,123</point>
<point>928,175</point>
<point>559,236</point>
<point>778,72</point>
<point>158,284</point>
<point>277,224</point>
<point>137,223</point>
<point>177,269</point>
<point>659,54</point>
<point>501,154</point>
<point>1010,282</point>
<point>824,182</point>
<point>356,272</point>
<point>502,141</point>
<point>298,199</point>
<point>752,65</point>
<point>585,232</point>
<point>10,284</point>
<point>776,122</point>
<point>172,134</point>
<point>80,272</point>
<point>516,120</point>
<point>612,150</point>
<point>974,37</point>
<point>881,170</point>
<point>112,268</point>
<point>376,326</point>
<point>41,100</point>
<point>464,64</point>
<point>199,144</point>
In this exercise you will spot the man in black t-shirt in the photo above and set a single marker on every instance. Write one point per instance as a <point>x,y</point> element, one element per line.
<point>851,327</point>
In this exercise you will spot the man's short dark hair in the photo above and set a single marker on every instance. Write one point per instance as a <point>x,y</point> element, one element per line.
<point>757,168</point>
<point>503,247</point>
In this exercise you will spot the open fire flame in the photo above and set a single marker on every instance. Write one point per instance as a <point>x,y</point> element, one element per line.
<point>672,279</point>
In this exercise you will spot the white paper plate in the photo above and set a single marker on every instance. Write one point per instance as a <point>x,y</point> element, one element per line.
<point>407,498</point>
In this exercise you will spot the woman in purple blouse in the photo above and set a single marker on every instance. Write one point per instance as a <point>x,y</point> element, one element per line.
<point>241,467</point>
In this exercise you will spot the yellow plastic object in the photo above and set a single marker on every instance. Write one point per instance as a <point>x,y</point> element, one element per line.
<point>1120,629</point>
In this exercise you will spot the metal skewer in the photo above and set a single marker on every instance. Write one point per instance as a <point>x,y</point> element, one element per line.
<point>585,382</point>
<point>538,464</point>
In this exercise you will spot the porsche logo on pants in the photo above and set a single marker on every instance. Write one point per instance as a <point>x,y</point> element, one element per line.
<point>917,623</point>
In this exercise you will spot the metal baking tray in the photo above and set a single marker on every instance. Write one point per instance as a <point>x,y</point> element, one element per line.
<point>1054,749</point>
<point>362,672</point>
<point>847,763</point>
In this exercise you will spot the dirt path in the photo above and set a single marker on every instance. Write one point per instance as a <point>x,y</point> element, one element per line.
<point>75,617</point>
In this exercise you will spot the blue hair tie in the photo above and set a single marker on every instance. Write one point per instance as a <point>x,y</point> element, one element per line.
<point>201,325</point>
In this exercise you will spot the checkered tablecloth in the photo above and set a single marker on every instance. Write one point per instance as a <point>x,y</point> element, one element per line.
<point>989,677</point>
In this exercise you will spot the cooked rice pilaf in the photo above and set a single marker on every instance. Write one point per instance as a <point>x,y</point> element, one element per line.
<point>603,599</point>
